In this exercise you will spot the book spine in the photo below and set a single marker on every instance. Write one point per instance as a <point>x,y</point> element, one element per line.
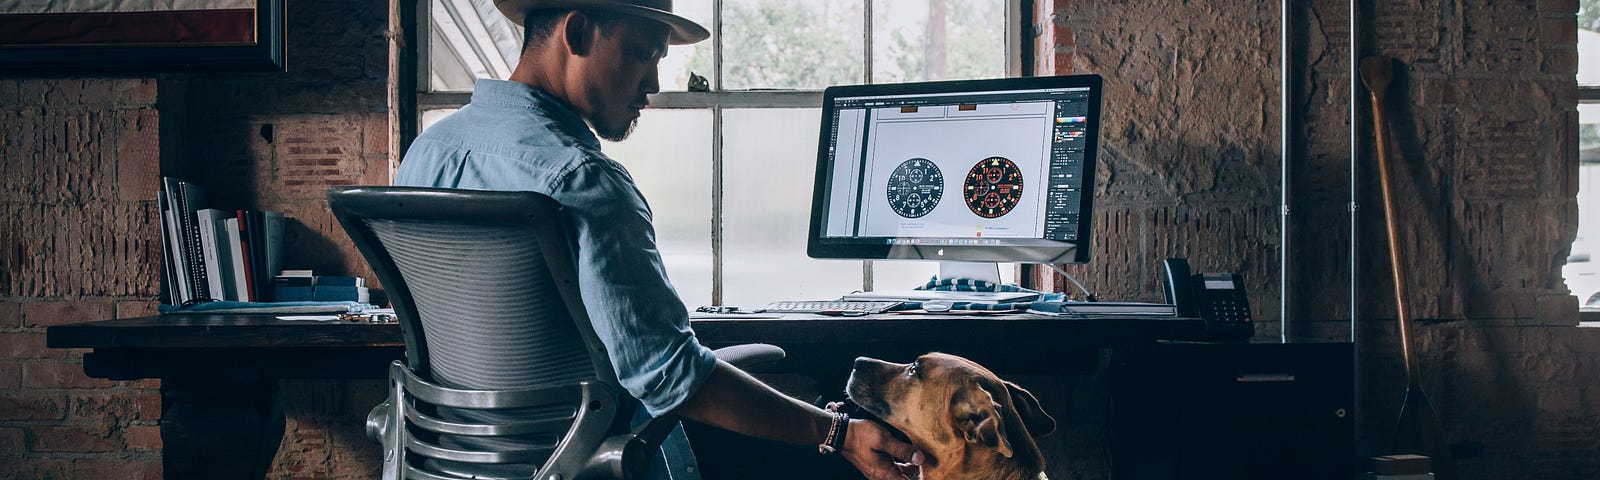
<point>260,282</point>
<point>208,246</point>
<point>243,217</point>
<point>179,260</point>
<point>274,243</point>
<point>168,256</point>
<point>190,201</point>
<point>241,276</point>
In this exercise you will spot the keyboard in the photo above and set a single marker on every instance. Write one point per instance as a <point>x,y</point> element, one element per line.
<point>814,306</point>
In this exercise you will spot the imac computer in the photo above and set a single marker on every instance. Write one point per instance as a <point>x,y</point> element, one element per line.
<point>960,171</point>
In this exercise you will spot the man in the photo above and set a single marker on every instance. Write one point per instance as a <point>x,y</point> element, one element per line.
<point>589,64</point>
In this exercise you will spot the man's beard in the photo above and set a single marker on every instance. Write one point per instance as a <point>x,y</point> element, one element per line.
<point>614,134</point>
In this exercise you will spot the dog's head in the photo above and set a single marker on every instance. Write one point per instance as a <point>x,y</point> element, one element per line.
<point>951,407</point>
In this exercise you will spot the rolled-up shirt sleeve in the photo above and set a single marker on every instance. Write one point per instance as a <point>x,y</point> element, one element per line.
<point>634,309</point>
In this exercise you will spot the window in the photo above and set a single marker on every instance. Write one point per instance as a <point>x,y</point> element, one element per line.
<point>1582,271</point>
<point>728,172</point>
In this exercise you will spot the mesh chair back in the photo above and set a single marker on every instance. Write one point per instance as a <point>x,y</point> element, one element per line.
<point>484,287</point>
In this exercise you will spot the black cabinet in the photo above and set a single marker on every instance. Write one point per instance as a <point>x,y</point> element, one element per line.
<point>1196,410</point>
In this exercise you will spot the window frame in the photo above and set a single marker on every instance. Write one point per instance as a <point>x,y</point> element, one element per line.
<point>413,17</point>
<point>1587,95</point>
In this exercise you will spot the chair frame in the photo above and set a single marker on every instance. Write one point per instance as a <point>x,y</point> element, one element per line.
<point>619,456</point>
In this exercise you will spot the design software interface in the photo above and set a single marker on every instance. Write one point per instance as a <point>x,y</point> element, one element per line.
<point>958,168</point>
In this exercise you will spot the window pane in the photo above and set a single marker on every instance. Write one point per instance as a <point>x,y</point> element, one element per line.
<point>467,40</point>
<point>1582,271</point>
<point>682,59</point>
<point>429,117</point>
<point>669,156</point>
<point>791,44</point>
<point>470,39</point>
<point>769,157</point>
<point>923,40</point>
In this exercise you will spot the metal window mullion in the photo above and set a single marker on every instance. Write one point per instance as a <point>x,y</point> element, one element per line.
<point>716,205</point>
<point>1286,218</point>
<point>866,77</point>
<point>716,45</point>
<point>1589,94</point>
<point>1357,391</point>
<point>716,154</point>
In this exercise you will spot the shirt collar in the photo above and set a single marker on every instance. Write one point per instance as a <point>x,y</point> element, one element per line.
<point>518,95</point>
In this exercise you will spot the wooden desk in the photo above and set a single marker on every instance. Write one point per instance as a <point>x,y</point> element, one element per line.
<point>219,372</point>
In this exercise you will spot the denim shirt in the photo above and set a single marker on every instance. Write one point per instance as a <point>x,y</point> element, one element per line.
<point>515,137</point>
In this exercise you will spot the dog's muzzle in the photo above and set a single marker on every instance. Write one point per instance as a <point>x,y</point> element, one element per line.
<point>865,386</point>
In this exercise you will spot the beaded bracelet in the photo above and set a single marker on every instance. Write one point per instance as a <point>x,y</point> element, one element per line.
<point>836,430</point>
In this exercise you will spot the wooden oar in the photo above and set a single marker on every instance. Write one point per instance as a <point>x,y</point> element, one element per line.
<point>1418,431</point>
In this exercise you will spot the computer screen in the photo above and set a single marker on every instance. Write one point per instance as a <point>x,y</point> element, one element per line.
<point>980,170</point>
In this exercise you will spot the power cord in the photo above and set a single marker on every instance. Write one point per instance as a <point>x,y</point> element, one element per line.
<point>1087,295</point>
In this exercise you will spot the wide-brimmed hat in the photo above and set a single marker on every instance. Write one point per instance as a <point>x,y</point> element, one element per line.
<point>684,31</point>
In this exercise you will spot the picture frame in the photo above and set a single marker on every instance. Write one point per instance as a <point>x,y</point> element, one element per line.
<point>141,36</point>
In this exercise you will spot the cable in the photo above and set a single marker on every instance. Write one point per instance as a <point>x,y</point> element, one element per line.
<point>1087,295</point>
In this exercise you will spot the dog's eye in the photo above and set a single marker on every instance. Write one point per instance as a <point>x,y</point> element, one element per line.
<point>911,370</point>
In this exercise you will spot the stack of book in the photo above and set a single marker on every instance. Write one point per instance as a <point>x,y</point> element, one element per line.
<point>210,254</point>
<point>303,286</point>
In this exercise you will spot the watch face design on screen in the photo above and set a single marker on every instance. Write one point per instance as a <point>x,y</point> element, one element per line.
<point>915,187</point>
<point>993,187</point>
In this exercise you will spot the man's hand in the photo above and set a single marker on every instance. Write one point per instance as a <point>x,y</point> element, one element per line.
<point>875,452</point>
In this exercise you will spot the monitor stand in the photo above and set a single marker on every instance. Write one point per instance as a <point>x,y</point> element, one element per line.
<point>986,271</point>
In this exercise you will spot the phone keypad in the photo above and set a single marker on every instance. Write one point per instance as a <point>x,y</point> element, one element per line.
<point>1230,311</point>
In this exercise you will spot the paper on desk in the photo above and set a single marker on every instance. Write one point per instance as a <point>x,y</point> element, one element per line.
<point>731,316</point>
<point>314,318</point>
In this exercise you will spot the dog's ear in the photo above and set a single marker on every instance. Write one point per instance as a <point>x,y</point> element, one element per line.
<point>1039,423</point>
<point>979,421</point>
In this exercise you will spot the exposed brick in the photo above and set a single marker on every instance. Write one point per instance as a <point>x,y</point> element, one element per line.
<point>59,375</point>
<point>72,439</point>
<point>10,375</point>
<point>122,466</point>
<point>142,438</point>
<point>1559,61</point>
<point>11,440</point>
<point>375,135</point>
<point>137,308</point>
<point>48,313</point>
<point>138,154</point>
<point>147,406</point>
<point>9,93</point>
<point>136,92</point>
<point>15,406</point>
<point>1558,7</point>
<point>114,405</point>
<point>10,315</point>
<point>1560,31</point>
<point>27,345</point>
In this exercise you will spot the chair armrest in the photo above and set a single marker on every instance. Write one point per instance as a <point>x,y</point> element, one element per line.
<point>751,356</point>
<point>378,421</point>
<point>627,455</point>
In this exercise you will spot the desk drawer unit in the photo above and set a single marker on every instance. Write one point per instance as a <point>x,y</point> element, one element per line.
<point>1189,410</point>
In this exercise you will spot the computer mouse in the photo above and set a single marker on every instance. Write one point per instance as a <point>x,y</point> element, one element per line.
<point>937,305</point>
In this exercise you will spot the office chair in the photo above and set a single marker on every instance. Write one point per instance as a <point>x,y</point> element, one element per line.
<point>504,376</point>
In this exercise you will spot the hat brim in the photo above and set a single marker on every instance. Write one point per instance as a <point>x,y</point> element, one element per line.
<point>684,31</point>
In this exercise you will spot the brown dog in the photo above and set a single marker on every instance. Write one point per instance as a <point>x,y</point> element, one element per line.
<point>968,423</point>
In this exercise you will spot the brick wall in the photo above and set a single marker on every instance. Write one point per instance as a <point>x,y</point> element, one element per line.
<point>1485,126</point>
<point>80,160</point>
<point>78,163</point>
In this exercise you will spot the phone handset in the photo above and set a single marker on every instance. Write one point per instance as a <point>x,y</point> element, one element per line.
<point>1177,286</point>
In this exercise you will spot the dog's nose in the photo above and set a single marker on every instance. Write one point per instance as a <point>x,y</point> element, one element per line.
<point>866,362</point>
